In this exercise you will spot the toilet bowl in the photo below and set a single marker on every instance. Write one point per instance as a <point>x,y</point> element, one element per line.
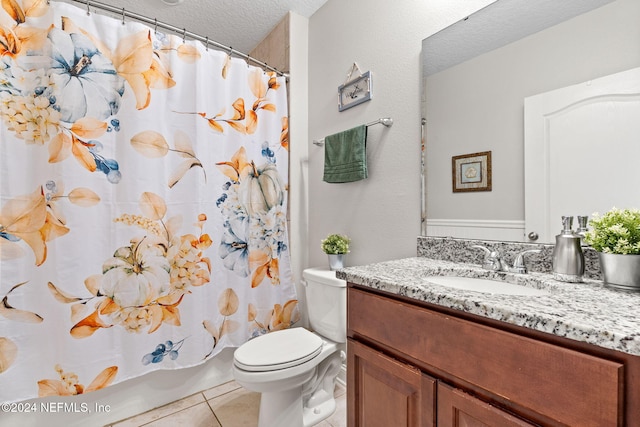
<point>295,370</point>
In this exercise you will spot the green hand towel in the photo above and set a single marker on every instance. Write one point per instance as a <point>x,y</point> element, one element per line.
<point>345,155</point>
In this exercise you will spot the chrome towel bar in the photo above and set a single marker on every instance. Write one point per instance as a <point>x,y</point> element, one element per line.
<point>386,121</point>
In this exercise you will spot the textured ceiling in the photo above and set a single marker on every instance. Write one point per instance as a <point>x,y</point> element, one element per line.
<point>496,25</point>
<point>241,24</point>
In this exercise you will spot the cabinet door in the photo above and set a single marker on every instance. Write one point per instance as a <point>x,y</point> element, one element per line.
<point>458,409</point>
<point>384,392</point>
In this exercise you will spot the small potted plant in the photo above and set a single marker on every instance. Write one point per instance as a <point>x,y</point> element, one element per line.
<point>616,237</point>
<point>336,246</point>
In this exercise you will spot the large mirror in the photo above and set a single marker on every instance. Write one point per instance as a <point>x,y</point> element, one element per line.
<point>477,75</point>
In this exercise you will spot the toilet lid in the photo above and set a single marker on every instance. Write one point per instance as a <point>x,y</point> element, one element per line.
<point>278,350</point>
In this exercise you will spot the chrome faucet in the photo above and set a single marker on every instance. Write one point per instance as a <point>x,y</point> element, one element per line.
<point>518,263</point>
<point>493,260</point>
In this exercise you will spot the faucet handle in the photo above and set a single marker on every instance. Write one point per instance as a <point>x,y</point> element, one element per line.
<point>518,262</point>
<point>492,259</point>
<point>487,251</point>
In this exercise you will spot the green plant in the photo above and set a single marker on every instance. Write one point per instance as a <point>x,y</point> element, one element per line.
<point>335,244</point>
<point>615,232</point>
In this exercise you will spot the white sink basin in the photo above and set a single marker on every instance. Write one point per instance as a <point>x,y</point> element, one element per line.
<point>485,285</point>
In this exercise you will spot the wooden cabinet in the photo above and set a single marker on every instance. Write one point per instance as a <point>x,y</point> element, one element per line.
<point>387,392</point>
<point>459,409</point>
<point>413,364</point>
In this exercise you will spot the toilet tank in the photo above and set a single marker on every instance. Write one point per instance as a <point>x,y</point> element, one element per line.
<point>326,298</point>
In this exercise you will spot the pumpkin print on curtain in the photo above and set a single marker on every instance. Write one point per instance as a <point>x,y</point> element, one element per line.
<point>143,200</point>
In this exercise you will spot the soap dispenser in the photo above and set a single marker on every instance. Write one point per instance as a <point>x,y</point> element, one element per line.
<point>568,259</point>
<point>582,228</point>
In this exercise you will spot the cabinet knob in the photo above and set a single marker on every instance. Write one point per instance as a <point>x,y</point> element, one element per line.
<point>533,236</point>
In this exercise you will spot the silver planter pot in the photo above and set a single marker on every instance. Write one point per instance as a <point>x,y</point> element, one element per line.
<point>336,261</point>
<point>620,271</point>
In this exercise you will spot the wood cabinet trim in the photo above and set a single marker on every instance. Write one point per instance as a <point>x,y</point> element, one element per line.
<point>457,409</point>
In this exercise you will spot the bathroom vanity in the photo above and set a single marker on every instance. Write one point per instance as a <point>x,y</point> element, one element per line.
<point>421,354</point>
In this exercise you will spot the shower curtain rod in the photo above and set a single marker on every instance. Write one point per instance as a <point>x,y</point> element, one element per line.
<point>179,31</point>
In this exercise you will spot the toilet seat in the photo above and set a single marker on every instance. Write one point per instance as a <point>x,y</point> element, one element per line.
<point>278,350</point>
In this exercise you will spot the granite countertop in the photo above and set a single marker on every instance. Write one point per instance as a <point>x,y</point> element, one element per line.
<point>587,312</point>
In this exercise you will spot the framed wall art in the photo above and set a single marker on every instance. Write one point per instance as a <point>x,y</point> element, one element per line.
<point>354,92</point>
<point>471,172</point>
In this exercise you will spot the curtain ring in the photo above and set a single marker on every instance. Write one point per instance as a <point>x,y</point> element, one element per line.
<point>206,44</point>
<point>123,16</point>
<point>184,35</point>
<point>88,11</point>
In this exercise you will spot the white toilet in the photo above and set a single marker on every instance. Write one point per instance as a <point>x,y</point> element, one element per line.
<point>295,369</point>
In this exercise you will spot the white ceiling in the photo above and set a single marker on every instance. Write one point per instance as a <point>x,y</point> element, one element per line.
<point>496,25</point>
<point>241,24</point>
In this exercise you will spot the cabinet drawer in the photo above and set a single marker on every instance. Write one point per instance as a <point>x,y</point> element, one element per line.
<point>563,385</point>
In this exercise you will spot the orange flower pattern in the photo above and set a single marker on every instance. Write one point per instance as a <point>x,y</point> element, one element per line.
<point>143,200</point>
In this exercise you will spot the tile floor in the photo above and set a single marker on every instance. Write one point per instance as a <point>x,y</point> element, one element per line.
<point>228,405</point>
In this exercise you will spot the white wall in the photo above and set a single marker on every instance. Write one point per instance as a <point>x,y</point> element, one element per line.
<point>298,150</point>
<point>382,213</point>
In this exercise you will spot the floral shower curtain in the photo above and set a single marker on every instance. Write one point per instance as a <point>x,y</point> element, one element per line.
<point>143,193</point>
